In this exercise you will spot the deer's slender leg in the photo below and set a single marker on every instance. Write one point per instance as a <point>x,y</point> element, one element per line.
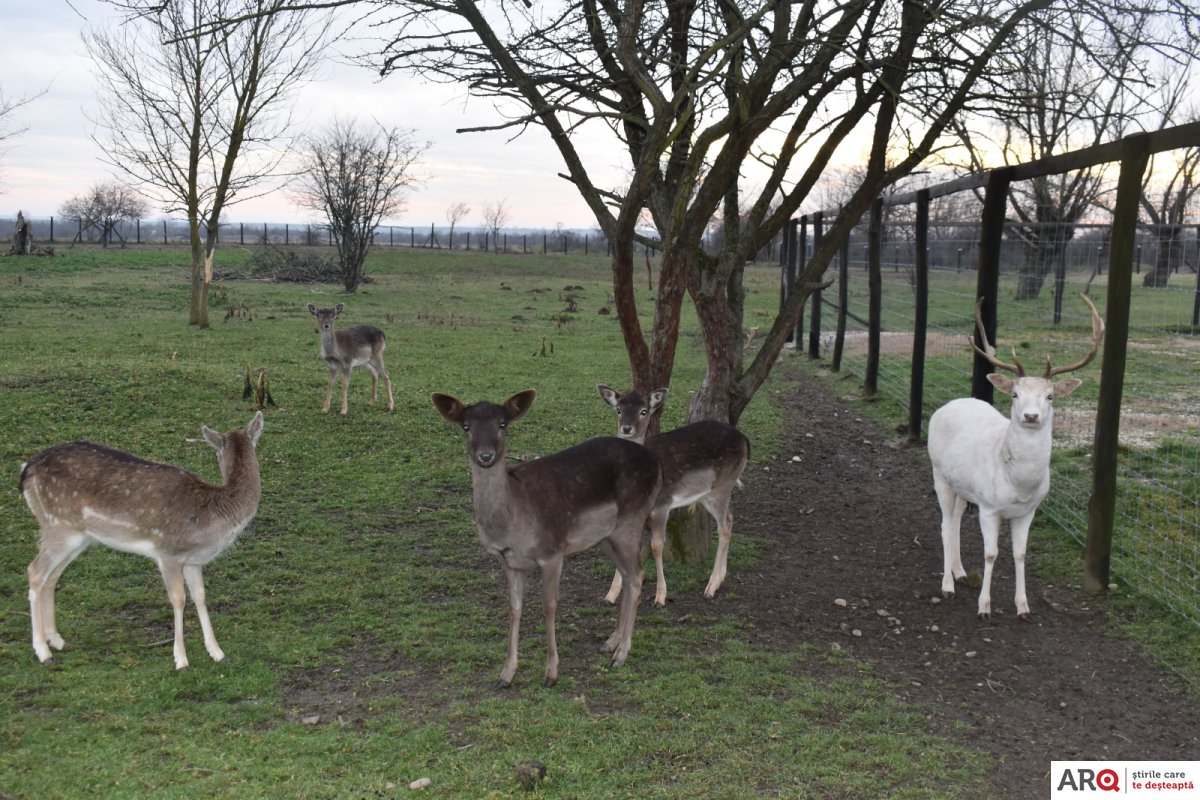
<point>723,516</point>
<point>329,388</point>
<point>345,391</point>
<point>195,584</point>
<point>516,602</point>
<point>172,573</point>
<point>658,541</point>
<point>59,548</point>
<point>551,573</point>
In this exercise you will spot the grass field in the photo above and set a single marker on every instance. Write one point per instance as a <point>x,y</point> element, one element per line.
<point>360,589</point>
<point>362,562</point>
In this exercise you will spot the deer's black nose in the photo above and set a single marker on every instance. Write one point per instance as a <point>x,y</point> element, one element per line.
<point>486,457</point>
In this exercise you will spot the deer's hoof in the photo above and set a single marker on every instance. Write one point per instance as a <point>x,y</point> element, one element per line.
<point>985,616</point>
<point>548,682</point>
<point>947,594</point>
<point>501,685</point>
<point>1026,617</point>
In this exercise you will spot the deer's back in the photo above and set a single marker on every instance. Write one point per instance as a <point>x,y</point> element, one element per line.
<point>124,501</point>
<point>601,470</point>
<point>715,447</point>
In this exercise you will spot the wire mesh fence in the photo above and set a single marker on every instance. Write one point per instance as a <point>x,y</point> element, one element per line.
<point>1156,540</point>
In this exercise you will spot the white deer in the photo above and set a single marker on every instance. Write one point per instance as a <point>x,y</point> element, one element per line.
<point>531,516</point>
<point>83,493</point>
<point>701,463</point>
<point>342,351</point>
<point>1001,465</point>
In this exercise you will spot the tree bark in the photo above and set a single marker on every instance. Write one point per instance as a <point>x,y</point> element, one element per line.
<point>1169,247</point>
<point>201,276</point>
<point>22,242</point>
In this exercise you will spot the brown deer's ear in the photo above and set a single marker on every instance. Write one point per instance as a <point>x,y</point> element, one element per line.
<point>609,395</point>
<point>214,439</point>
<point>312,309</point>
<point>254,428</point>
<point>451,408</point>
<point>339,308</point>
<point>516,406</point>
<point>657,398</point>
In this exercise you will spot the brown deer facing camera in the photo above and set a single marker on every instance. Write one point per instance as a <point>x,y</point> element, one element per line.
<point>531,516</point>
<point>701,463</point>
<point>82,493</point>
<point>342,351</point>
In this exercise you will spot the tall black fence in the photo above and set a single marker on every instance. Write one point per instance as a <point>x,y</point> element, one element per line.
<point>1126,468</point>
<point>65,231</point>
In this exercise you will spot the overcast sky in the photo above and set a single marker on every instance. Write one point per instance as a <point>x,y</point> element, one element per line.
<point>56,159</point>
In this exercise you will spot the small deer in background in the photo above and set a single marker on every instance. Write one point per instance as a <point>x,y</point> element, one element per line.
<point>1000,464</point>
<point>358,346</point>
<point>701,463</point>
<point>533,515</point>
<point>83,493</point>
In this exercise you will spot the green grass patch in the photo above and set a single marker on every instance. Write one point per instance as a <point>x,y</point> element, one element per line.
<point>361,620</point>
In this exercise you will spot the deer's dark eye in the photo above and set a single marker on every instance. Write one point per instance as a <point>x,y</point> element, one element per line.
<point>466,427</point>
<point>503,425</point>
<point>645,412</point>
<point>1049,398</point>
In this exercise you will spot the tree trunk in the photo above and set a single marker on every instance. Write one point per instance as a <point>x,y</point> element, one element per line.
<point>718,307</point>
<point>1032,275</point>
<point>201,277</point>
<point>1164,261</point>
<point>22,241</point>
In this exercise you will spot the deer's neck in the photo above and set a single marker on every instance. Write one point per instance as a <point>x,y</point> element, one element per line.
<point>1025,453</point>
<point>329,347</point>
<point>237,499</point>
<point>492,491</point>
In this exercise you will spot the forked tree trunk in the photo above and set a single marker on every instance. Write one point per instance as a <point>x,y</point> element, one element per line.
<point>718,307</point>
<point>201,277</point>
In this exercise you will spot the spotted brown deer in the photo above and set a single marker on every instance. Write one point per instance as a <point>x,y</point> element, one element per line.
<point>701,463</point>
<point>83,493</point>
<point>532,515</point>
<point>1000,464</point>
<point>342,351</point>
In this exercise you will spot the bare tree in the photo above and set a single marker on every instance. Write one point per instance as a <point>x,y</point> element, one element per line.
<point>456,213</point>
<point>495,217</point>
<point>706,96</point>
<point>1061,93</point>
<point>9,106</point>
<point>196,115</point>
<point>1172,183</point>
<point>357,176</point>
<point>103,209</point>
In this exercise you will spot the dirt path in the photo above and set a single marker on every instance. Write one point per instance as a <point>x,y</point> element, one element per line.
<point>855,519</point>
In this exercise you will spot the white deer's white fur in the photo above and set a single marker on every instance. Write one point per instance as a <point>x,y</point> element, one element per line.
<point>1001,465</point>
